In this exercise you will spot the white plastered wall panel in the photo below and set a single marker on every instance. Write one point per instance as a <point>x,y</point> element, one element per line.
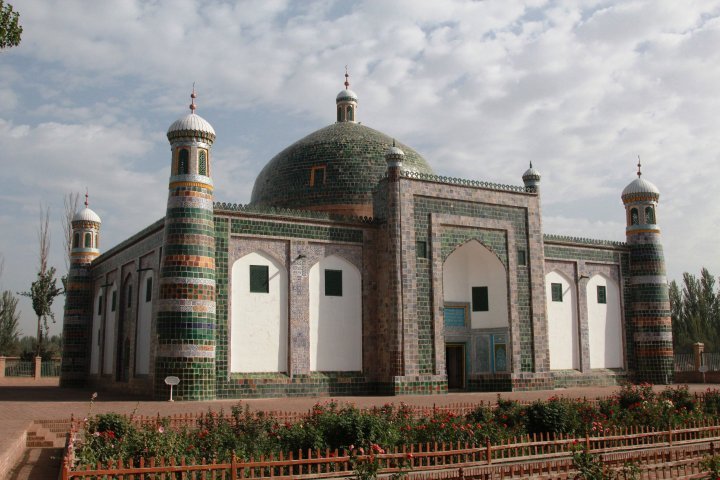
<point>95,335</point>
<point>473,265</point>
<point>335,321</point>
<point>110,325</point>
<point>142,352</point>
<point>563,331</point>
<point>604,324</point>
<point>259,321</point>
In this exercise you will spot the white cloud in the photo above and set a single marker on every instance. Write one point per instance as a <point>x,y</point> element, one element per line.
<point>479,88</point>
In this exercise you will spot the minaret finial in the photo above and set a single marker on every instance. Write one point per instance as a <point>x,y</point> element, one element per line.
<point>531,164</point>
<point>87,202</point>
<point>639,173</point>
<point>193,96</point>
<point>347,77</point>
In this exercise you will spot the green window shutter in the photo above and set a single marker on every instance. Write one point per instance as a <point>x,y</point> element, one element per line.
<point>601,294</point>
<point>480,301</point>
<point>556,290</point>
<point>202,163</point>
<point>259,279</point>
<point>148,289</point>
<point>333,283</point>
<point>521,257</point>
<point>421,249</point>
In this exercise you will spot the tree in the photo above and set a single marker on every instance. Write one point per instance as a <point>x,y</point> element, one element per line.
<point>43,290</point>
<point>9,317</point>
<point>695,311</point>
<point>10,29</point>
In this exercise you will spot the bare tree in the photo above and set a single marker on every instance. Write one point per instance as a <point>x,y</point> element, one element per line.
<point>71,201</point>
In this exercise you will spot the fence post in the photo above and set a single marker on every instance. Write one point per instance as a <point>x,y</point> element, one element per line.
<point>38,367</point>
<point>233,467</point>
<point>2,367</point>
<point>488,448</point>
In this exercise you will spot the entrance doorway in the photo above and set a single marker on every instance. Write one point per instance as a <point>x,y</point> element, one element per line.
<point>455,364</point>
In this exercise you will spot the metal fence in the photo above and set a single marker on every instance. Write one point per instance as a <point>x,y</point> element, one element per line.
<point>14,367</point>
<point>685,362</point>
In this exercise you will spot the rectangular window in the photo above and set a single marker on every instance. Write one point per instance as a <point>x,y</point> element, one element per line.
<point>521,257</point>
<point>100,305</point>
<point>148,289</point>
<point>317,176</point>
<point>333,283</point>
<point>259,279</point>
<point>601,294</point>
<point>556,291</point>
<point>421,249</point>
<point>129,296</point>
<point>113,302</point>
<point>480,301</point>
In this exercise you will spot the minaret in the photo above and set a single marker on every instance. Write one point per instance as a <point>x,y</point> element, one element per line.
<point>649,311</point>
<point>531,179</point>
<point>346,102</point>
<point>77,319</point>
<point>186,305</point>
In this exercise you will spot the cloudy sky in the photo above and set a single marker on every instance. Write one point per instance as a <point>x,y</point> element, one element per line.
<point>580,88</point>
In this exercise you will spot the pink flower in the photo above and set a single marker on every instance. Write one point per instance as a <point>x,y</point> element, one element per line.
<point>161,429</point>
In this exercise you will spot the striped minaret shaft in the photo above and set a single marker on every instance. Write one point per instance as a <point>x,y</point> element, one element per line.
<point>77,318</point>
<point>186,308</point>
<point>650,305</point>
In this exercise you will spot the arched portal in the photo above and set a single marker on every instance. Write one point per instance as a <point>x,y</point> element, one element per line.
<point>335,315</point>
<point>604,323</point>
<point>563,331</point>
<point>98,308</point>
<point>142,342</point>
<point>259,319</point>
<point>110,325</point>
<point>473,274</point>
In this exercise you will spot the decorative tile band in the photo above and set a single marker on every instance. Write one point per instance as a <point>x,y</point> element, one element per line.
<point>653,336</point>
<point>187,350</point>
<point>210,282</point>
<point>186,305</point>
<point>648,279</point>
<point>190,202</point>
<point>191,184</point>
<point>192,178</point>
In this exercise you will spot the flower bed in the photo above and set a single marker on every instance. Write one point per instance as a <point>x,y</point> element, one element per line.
<point>330,426</point>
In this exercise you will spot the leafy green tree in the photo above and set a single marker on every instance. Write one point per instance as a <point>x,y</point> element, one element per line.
<point>695,309</point>
<point>10,29</point>
<point>9,317</point>
<point>44,290</point>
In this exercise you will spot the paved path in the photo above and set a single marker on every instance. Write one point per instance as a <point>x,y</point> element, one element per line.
<point>24,400</point>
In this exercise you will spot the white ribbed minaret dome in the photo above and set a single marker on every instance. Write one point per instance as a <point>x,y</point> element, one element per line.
<point>191,123</point>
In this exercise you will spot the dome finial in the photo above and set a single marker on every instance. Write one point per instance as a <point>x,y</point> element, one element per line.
<point>639,173</point>
<point>87,202</point>
<point>530,163</point>
<point>193,96</point>
<point>347,78</point>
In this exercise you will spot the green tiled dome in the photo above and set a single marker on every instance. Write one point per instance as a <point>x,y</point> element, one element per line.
<point>354,159</point>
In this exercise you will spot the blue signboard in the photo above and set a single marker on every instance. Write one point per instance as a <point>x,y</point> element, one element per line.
<point>455,315</point>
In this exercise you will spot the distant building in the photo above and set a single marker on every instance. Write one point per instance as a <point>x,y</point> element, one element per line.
<point>356,270</point>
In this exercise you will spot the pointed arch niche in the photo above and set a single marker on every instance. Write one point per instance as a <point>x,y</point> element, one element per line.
<point>259,315</point>
<point>474,275</point>
<point>563,330</point>
<point>605,332</point>
<point>335,315</point>
<point>142,347</point>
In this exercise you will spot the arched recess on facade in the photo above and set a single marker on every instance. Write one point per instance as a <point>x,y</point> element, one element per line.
<point>144,322</point>
<point>563,328</point>
<point>98,309</point>
<point>605,330</point>
<point>474,275</point>
<point>259,314</point>
<point>108,350</point>
<point>122,347</point>
<point>335,295</point>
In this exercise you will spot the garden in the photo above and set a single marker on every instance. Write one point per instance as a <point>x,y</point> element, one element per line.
<point>343,429</point>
